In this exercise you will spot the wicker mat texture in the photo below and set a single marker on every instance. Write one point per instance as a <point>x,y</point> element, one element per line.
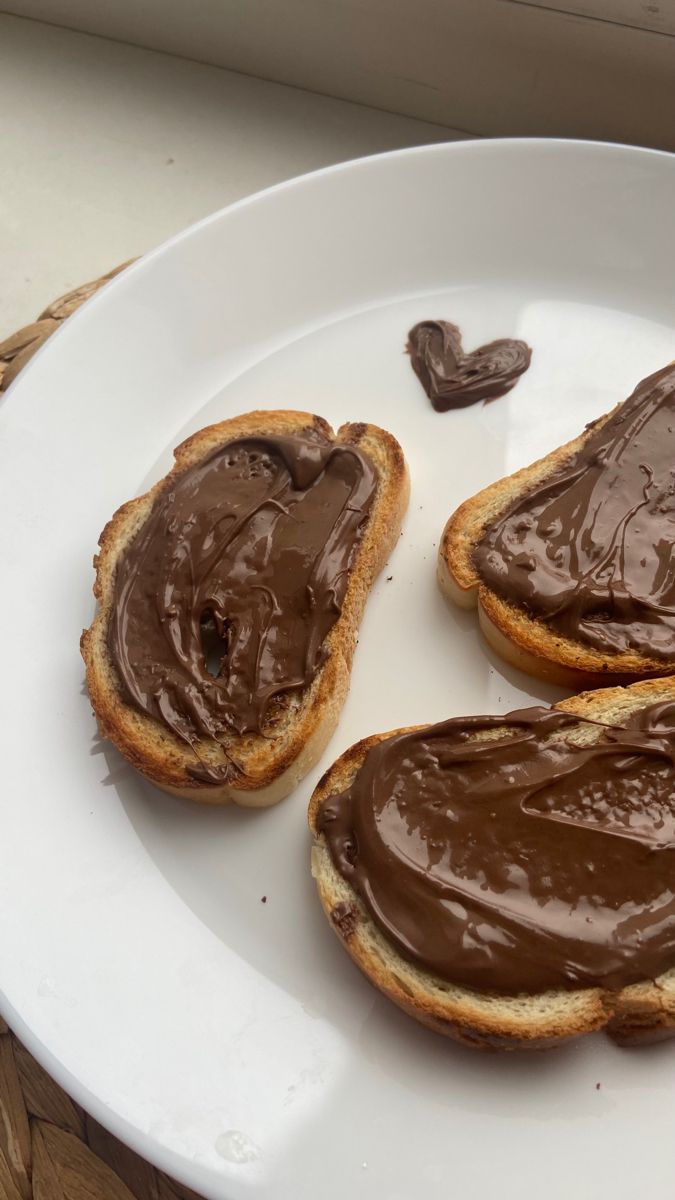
<point>50,1149</point>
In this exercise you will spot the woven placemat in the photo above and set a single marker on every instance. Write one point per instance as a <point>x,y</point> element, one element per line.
<point>50,1149</point>
<point>19,347</point>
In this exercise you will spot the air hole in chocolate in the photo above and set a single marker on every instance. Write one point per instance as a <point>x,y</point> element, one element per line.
<point>215,645</point>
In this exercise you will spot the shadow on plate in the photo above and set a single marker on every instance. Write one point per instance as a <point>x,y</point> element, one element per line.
<point>223,861</point>
<point>464,623</point>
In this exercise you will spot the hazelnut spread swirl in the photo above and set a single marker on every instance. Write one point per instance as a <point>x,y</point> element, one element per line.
<point>224,598</point>
<point>453,379</point>
<point>521,859</point>
<point>589,551</point>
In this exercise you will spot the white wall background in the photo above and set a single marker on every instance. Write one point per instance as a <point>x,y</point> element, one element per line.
<point>108,149</point>
<point>591,68</point>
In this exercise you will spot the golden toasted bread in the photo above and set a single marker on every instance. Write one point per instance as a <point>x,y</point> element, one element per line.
<point>488,1021</point>
<point>270,763</point>
<point>521,637</point>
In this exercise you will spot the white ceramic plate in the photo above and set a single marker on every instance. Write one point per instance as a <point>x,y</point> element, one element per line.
<point>230,1041</point>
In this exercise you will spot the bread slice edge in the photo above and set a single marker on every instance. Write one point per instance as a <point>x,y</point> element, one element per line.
<point>521,639</point>
<point>639,1013</point>
<point>272,766</point>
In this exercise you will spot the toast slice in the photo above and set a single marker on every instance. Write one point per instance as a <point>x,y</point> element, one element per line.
<point>640,1013</point>
<point>269,763</point>
<point>517,631</point>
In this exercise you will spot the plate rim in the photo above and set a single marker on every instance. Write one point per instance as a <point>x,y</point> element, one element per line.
<point>472,145</point>
<point>170,1161</point>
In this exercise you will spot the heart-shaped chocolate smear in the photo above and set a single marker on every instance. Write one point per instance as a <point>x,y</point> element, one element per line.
<point>453,379</point>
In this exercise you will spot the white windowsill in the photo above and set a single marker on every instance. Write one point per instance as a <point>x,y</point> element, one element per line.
<point>108,149</point>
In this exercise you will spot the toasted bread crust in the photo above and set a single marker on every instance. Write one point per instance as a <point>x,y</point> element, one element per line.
<point>487,1021</point>
<point>272,763</point>
<point>523,640</point>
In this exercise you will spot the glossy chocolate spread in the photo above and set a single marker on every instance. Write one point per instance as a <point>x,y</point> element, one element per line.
<point>225,597</point>
<point>453,379</point>
<point>519,860</point>
<point>590,550</point>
